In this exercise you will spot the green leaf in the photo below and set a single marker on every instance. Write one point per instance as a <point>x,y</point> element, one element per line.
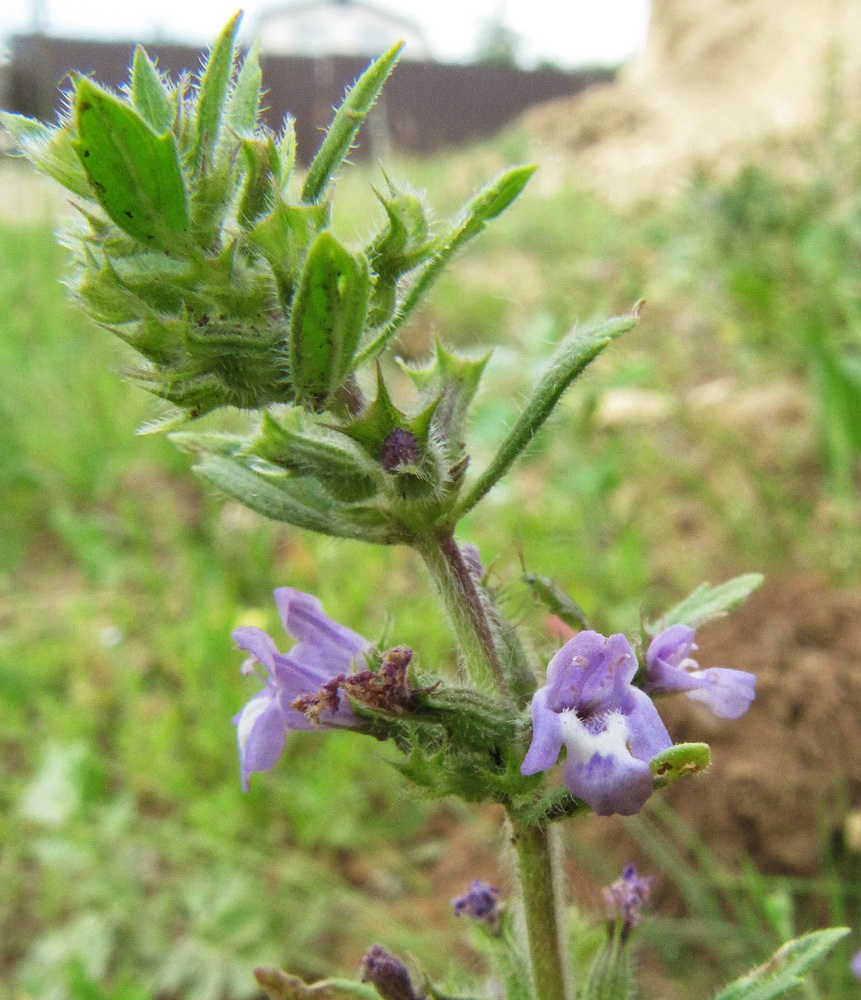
<point>786,967</point>
<point>402,246</point>
<point>49,150</point>
<point>261,163</point>
<point>283,238</point>
<point>707,603</point>
<point>452,381</point>
<point>294,500</point>
<point>486,205</point>
<point>297,445</point>
<point>557,602</point>
<point>346,123</point>
<point>134,173</point>
<point>327,318</point>
<point>212,95</point>
<point>577,351</point>
<point>287,152</point>
<point>150,97</point>
<point>244,105</point>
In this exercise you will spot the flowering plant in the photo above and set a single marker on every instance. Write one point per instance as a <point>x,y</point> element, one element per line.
<point>199,244</point>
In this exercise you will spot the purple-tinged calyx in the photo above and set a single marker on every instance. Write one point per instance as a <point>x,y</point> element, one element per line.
<point>625,898</point>
<point>480,902</point>
<point>325,651</point>
<point>669,667</point>
<point>610,729</point>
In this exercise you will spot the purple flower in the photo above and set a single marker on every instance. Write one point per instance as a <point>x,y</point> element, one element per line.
<point>610,729</point>
<point>480,902</point>
<point>324,653</point>
<point>669,667</point>
<point>855,964</point>
<point>626,897</point>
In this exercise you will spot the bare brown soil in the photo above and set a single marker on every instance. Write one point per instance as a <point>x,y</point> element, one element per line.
<point>785,775</point>
<point>719,83</point>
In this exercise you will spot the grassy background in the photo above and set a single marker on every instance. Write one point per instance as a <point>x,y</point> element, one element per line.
<point>131,865</point>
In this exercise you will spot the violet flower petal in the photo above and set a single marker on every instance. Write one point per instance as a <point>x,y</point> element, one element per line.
<point>260,731</point>
<point>322,641</point>
<point>669,667</point>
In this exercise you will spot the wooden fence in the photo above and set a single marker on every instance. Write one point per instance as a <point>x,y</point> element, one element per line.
<point>426,105</point>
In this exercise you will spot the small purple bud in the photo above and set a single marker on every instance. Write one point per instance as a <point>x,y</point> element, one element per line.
<point>855,964</point>
<point>399,448</point>
<point>480,902</point>
<point>626,897</point>
<point>389,975</point>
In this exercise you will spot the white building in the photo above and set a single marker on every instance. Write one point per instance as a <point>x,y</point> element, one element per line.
<point>335,27</point>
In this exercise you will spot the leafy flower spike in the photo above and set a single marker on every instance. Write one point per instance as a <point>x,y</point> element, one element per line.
<point>325,652</point>
<point>669,667</point>
<point>610,729</point>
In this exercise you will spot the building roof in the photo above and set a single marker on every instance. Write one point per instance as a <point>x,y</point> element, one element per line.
<point>336,27</point>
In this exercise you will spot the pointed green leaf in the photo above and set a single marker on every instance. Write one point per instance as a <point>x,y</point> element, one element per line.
<point>212,95</point>
<point>327,319</point>
<point>557,602</point>
<point>453,380</point>
<point>283,237</point>
<point>486,205</point>
<point>786,967</point>
<point>707,603</point>
<point>295,444</point>
<point>244,105</point>
<point>402,246</point>
<point>49,150</point>
<point>150,97</point>
<point>261,163</point>
<point>346,123</point>
<point>294,500</point>
<point>134,173</point>
<point>377,421</point>
<point>287,151</point>
<point>577,351</point>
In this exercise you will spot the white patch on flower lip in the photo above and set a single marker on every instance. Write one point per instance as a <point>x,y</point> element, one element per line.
<point>248,720</point>
<point>582,744</point>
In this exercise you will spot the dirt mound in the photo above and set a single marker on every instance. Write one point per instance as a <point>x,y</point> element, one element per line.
<point>719,82</point>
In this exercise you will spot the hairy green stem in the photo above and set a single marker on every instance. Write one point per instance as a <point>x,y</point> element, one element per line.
<point>541,892</point>
<point>463,603</point>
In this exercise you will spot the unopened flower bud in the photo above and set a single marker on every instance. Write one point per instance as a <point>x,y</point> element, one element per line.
<point>388,975</point>
<point>626,897</point>
<point>398,449</point>
<point>480,902</point>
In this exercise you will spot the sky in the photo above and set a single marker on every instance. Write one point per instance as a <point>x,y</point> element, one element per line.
<point>565,32</point>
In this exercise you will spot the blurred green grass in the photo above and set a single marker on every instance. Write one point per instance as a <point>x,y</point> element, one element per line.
<point>132,865</point>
